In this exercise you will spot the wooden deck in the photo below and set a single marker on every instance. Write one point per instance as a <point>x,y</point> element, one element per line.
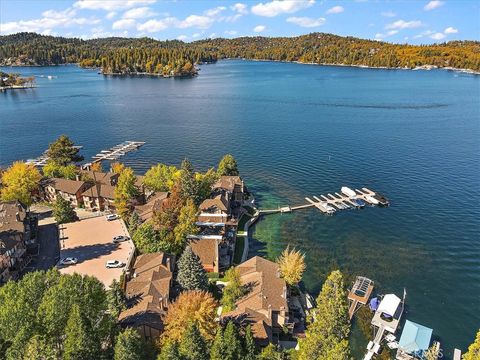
<point>359,294</point>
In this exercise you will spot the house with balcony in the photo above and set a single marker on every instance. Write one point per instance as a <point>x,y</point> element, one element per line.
<point>148,294</point>
<point>265,306</point>
<point>17,230</point>
<point>70,190</point>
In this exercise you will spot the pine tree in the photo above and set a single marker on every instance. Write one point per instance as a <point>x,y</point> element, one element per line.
<point>228,166</point>
<point>191,275</point>
<point>170,351</point>
<point>329,327</point>
<point>79,344</point>
<point>189,186</point>
<point>233,346</point>
<point>63,152</point>
<point>116,299</point>
<point>193,345</point>
<point>129,346</point>
<point>249,344</point>
<point>217,352</point>
<point>63,211</point>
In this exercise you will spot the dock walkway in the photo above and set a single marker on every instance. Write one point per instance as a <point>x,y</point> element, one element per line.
<point>329,203</point>
<point>117,151</point>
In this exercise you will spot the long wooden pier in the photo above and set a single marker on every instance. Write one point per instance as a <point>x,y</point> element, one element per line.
<point>43,159</point>
<point>331,203</point>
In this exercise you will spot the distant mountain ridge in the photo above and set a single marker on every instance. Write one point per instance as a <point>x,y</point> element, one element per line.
<point>176,58</point>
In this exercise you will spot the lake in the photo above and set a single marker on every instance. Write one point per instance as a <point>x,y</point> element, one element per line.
<point>302,130</point>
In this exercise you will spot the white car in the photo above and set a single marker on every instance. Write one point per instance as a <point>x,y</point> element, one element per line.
<point>112,264</point>
<point>68,261</point>
<point>112,217</point>
<point>120,238</point>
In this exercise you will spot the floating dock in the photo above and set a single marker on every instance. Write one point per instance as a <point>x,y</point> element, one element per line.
<point>331,203</point>
<point>117,151</point>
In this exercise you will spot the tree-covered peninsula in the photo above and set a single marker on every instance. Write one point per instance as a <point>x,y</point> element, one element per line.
<point>176,58</point>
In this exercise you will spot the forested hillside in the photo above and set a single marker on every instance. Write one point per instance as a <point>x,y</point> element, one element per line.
<point>176,58</point>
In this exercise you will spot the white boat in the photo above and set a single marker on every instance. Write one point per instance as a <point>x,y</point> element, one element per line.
<point>348,192</point>
<point>371,200</point>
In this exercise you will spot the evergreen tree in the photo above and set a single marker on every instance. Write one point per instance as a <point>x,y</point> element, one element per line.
<point>134,222</point>
<point>189,186</point>
<point>193,345</point>
<point>329,327</point>
<point>191,275</point>
<point>249,344</point>
<point>53,169</point>
<point>79,344</point>
<point>63,211</point>
<point>228,166</point>
<point>170,351</point>
<point>233,346</point>
<point>63,152</point>
<point>116,299</point>
<point>218,350</point>
<point>270,352</point>
<point>129,346</point>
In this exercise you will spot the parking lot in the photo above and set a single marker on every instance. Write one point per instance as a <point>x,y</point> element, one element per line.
<point>90,241</point>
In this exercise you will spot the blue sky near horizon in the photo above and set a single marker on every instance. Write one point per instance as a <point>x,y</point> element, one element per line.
<point>408,21</point>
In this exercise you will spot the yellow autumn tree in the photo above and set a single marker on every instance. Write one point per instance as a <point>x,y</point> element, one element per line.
<point>195,306</point>
<point>19,181</point>
<point>473,352</point>
<point>292,265</point>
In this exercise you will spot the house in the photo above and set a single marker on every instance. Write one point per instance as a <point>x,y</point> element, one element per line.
<point>148,294</point>
<point>70,190</point>
<point>232,186</point>
<point>153,204</point>
<point>266,304</point>
<point>99,197</point>
<point>17,229</point>
<point>215,210</point>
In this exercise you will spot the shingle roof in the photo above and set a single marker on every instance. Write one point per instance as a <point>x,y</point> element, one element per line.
<point>64,185</point>
<point>153,204</point>
<point>100,190</point>
<point>206,250</point>
<point>106,178</point>
<point>218,202</point>
<point>148,290</point>
<point>11,229</point>
<point>228,183</point>
<point>269,287</point>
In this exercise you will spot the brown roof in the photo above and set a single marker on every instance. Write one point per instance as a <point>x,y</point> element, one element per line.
<point>218,202</point>
<point>11,228</point>
<point>149,290</point>
<point>153,205</point>
<point>100,190</point>
<point>64,185</point>
<point>106,178</point>
<point>268,287</point>
<point>206,250</point>
<point>228,183</point>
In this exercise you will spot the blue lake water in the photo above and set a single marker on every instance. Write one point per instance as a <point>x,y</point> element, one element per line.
<point>296,131</point>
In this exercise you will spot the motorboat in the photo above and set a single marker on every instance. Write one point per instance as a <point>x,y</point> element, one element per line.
<point>348,192</point>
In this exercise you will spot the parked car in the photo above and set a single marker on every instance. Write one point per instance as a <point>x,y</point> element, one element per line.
<point>111,217</point>
<point>120,238</point>
<point>68,261</point>
<point>111,264</point>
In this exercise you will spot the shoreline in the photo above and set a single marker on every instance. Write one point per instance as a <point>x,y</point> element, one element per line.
<point>426,67</point>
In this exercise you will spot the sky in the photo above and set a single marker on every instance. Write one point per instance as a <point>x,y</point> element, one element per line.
<point>408,21</point>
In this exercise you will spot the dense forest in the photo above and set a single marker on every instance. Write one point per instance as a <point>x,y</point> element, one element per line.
<point>176,58</point>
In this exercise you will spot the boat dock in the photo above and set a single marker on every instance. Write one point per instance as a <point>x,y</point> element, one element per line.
<point>331,203</point>
<point>359,294</point>
<point>117,151</point>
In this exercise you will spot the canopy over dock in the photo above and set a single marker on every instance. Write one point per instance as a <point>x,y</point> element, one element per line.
<point>415,339</point>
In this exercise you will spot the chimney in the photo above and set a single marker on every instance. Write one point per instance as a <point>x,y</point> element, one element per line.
<point>269,311</point>
<point>77,177</point>
<point>17,215</point>
<point>168,263</point>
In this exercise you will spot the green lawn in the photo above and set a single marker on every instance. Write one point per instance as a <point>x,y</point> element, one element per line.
<point>243,221</point>
<point>239,244</point>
